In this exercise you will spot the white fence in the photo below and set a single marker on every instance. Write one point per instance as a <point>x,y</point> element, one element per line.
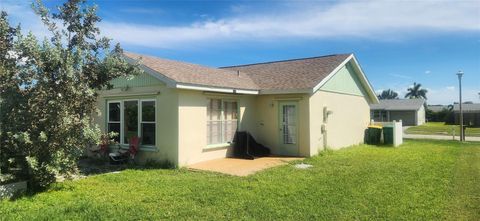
<point>397,131</point>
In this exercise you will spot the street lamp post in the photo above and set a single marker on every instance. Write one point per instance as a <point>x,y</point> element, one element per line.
<point>460,74</point>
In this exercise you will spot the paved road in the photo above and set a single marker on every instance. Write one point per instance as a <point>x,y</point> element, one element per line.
<point>435,137</point>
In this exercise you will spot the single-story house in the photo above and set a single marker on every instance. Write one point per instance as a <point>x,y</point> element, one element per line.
<point>187,113</point>
<point>437,108</point>
<point>471,114</point>
<point>410,111</point>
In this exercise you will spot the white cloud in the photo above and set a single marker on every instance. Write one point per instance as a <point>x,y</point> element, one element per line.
<point>448,95</point>
<point>400,88</point>
<point>21,12</point>
<point>367,19</point>
<point>450,88</point>
<point>437,94</point>
<point>428,72</point>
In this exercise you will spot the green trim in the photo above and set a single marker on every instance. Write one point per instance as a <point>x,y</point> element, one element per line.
<point>130,97</point>
<point>339,92</point>
<point>141,80</point>
<point>345,81</point>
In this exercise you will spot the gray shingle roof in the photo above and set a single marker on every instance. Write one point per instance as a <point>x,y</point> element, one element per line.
<point>398,104</point>
<point>466,108</point>
<point>183,72</point>
<point>303,73</point>
<point>437,108</point>
<point>291,74</point>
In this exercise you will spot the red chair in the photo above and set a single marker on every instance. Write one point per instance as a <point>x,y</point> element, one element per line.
<point>122,155</point>
<point>102,149</point>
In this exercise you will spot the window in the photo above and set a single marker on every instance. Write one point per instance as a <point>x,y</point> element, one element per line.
<point>114,119</point>
<point>131,118</point>
<point>380,115</point>
<point>148,122</point>
<point>222,121</point>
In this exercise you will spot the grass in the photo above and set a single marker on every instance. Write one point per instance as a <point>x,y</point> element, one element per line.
<point>439,128</point>
<point>421,180</point>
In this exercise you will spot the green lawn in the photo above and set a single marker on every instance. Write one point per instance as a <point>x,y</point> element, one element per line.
<point>439,128</point>
<point>421,180</point>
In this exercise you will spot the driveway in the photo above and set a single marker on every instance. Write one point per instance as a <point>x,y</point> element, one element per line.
<point>242,167</point>
<point>435,137</point>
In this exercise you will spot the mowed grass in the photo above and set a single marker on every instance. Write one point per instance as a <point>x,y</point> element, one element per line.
<point>421,180</point>
<point>439,128</point>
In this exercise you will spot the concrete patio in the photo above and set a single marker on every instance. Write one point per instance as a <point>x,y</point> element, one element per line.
<point>242,167</point>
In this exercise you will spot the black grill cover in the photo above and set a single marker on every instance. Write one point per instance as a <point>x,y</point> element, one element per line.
<point>246,147</point>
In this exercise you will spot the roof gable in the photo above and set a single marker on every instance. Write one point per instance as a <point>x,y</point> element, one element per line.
<point>141,80</point>
<point>345,81</point>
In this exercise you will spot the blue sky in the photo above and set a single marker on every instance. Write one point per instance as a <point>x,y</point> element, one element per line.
<point>396,42</point>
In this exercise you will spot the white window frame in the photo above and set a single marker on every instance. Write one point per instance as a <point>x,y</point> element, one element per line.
<point>114,122</point>
<point>379,114</point>
<point>222,120</point>
<point>139,117</point>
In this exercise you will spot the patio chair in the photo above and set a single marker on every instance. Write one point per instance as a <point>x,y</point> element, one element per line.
<point>102,149</point>
<point>122,155</point>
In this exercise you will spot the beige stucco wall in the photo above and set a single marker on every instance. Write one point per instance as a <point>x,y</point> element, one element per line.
<point>266,130</point>
<point>258,115</point>
<point>166,118</point>
<point>192,124</point>
<point>181,129</point>
<point>181,121</point>
<point>345,126</point>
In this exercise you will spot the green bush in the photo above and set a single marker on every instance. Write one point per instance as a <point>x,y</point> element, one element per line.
<point>48,89</point>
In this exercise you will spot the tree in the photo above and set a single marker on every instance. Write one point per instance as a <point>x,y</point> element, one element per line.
<point>48,89</point>
<point>416,92</point>
<point>388,94</point>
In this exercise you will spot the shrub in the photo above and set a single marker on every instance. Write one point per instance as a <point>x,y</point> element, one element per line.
<point>48,88</point>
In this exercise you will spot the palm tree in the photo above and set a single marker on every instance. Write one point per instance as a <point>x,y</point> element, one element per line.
<point>416,92</point>
<point>388,94</point>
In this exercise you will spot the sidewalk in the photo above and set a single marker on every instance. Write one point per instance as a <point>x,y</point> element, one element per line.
<point>438,137</point>
<point>435,137</point>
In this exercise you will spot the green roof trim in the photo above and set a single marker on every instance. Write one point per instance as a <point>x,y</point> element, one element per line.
<point>142,80</point>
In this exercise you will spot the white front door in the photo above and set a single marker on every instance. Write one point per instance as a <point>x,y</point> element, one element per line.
<point>288,127</point>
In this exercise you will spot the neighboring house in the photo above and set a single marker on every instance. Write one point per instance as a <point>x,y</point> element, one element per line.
<point>410,111</point>
<point>187,113</point>
<point>471,114</point>
<point>437,108</point>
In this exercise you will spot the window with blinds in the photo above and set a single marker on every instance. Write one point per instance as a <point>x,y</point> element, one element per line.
<point>222,121</point>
